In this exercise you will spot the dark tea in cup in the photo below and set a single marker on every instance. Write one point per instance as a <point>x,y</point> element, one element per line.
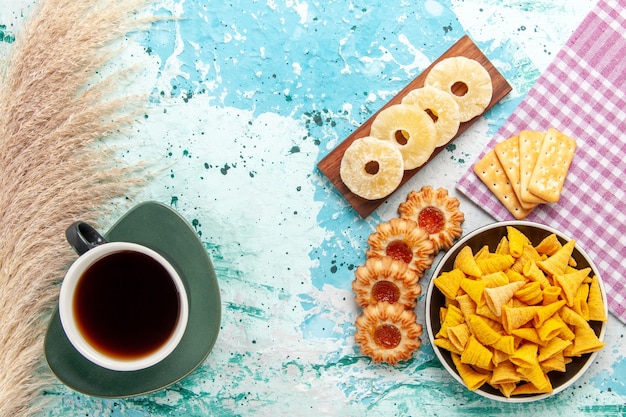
<point>126,305</point>
<point>123,306</point>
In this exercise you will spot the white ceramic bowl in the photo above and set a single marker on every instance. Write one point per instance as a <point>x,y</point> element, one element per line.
<point>491,235</point>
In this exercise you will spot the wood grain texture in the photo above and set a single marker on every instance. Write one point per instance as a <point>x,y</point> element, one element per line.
<point>330,164</point>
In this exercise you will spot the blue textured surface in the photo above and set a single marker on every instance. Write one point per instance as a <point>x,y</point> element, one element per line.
<point>247,97</point>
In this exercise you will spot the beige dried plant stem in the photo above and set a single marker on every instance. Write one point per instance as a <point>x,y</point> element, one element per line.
<point>54,108</point>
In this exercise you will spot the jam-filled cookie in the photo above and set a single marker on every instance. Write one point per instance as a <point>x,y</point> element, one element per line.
<point>388,333</point>
<point>403,240</point>
<point>435,212</point>
<point>386,280</point>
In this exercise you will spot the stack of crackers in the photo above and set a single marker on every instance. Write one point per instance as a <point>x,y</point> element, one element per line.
<point>528,169</point>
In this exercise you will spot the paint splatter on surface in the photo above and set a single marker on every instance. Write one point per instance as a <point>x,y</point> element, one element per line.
<point>245,100</point>
<point>6,35</point>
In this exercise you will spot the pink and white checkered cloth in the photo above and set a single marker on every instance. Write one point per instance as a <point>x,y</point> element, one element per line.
<point>583,94</point>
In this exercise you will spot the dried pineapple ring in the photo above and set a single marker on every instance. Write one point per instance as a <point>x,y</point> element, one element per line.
<point>371,168</point>
<point>449,72</point>
<point>388,332</point>
<point>410,129</point>
<point>442,107</point>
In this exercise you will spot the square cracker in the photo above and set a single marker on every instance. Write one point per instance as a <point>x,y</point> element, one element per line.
<point>529,147</point>
<point>490,171</point>
<point>507,152</point>
<point>555,158</point>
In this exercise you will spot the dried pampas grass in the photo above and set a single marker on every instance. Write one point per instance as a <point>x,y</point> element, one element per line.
<point>54,107</point>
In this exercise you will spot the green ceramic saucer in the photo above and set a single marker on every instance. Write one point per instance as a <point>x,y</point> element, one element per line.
<point>158,227</point>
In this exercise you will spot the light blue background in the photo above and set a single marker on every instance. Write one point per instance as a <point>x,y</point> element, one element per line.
<point>245,98</point>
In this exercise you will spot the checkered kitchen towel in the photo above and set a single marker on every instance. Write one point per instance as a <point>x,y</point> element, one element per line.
<point>583,94</point>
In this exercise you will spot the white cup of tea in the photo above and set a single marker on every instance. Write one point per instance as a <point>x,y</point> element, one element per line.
<point>122,305</point>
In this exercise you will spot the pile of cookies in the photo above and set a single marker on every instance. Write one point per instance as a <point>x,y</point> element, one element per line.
<point>404,136</point>
<point>387,286</point>
<point>527,169</point>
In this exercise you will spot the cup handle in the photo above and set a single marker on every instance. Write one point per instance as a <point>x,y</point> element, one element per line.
<point>82,237</point>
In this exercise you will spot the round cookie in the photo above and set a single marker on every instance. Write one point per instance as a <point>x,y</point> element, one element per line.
<point>404,240</point>
<point>408,128</point>
<point>437,213</point>
<point>450,74</point>
<point>371,168</point>
<point>441,106</point>
<point>388,332</point>
<point>386,279</point>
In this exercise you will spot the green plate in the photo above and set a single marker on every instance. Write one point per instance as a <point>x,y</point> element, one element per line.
<point>158,227</point>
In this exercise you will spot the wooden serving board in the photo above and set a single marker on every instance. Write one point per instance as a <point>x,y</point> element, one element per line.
<point>330,164</point>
